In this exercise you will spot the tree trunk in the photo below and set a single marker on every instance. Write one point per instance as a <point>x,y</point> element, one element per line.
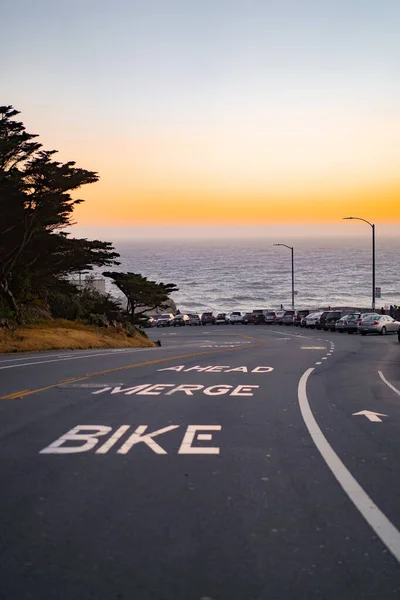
<point>9,296</point>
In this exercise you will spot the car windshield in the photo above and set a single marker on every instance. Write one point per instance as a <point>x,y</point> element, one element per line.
<point>372,318</point>
<point>164,317</point>
<point>236,314</point>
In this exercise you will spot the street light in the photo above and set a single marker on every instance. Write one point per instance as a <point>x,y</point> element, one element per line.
<point>292,251</point>
<point>373,254</point>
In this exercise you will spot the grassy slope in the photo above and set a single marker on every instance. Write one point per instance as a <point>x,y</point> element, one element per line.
<point>59,334</point>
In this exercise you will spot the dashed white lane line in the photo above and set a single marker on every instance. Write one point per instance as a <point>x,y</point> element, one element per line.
<point>324,358</point>
<point>318,363</point>
<point>377,520</point>
<point>381,375</point>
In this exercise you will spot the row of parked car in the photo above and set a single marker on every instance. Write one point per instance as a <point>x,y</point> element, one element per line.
<point>355,322</point>
<point>329,320</point>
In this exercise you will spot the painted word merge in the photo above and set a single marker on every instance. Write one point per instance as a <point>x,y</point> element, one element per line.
<point>218,369</point>
<point>167,389</point>
<point>84,438</point>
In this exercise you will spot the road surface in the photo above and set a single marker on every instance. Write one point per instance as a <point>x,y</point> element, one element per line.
<point>230,463</point>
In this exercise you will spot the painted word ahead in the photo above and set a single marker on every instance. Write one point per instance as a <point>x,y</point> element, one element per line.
<point>218,369</point>
<point>84,438</point>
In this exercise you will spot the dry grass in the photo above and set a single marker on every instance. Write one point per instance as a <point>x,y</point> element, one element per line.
<point>67,335</point>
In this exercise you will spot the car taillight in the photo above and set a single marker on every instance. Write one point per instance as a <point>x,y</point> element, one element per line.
<point>375,323</point>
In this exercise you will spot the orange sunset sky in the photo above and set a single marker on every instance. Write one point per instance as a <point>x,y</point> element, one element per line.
<point>216,113</point>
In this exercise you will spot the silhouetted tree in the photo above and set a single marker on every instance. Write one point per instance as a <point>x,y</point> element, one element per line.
<point>35,205</point>
<point>142,295</point>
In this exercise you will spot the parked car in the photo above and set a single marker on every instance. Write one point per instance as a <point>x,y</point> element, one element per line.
<point>312,320</point>
<point>270,317</point>
<point>165,320</point>
<point>381,324</point>
<point>331,318</point>
<point>347,323</point>
<point>259,316</point>
<point>236,317</point>
<point>288,317</point>
<point>147,322</point>
<point>180,320</point>
<point>248,318</point>
<point>220,319</point>
<point>364,315</point>
<point>279,316</point>
<point>320,324</point>
<point>299,315</point>
<point>207,318</point>
<point>194,320</point>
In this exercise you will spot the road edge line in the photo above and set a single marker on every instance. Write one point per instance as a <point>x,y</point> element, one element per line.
<point>381,375</point>
<point>376,519</point>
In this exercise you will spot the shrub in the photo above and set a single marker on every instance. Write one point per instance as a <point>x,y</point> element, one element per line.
<point>65,306</point>
<point>130,330</point>
<point>98,320</point>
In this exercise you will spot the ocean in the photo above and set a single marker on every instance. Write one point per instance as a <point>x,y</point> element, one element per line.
<point>226,275</point>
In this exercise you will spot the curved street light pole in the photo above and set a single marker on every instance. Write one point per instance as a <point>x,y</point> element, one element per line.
<point>292,251</point>
<point>372,225</point>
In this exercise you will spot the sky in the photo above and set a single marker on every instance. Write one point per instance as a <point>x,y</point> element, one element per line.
<point>216,116</point>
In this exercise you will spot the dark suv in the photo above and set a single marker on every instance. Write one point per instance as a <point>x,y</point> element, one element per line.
<point>300,314</point>
<point>320,324</point>
<point>258,316</point>
<point>207,318</point>
<point>331,318</point>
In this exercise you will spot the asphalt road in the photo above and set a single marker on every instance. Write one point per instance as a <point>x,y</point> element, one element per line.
<point>227,464</point>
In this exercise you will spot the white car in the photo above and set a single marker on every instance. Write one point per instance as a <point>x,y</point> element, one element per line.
<point>312,319</point>
<point>236,317</point>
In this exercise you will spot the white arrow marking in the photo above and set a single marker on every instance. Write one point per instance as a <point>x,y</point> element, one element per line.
<point>372,416</point>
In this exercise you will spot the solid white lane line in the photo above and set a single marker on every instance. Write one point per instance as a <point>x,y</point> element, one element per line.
<point>308,337</point>
<point>60,354</point>
<point>81,356</point>
<point>383,528</point>
<point>381,375</point>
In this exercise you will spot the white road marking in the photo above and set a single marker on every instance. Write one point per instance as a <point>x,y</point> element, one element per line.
<point>186,446</point>
<point>381,375</point>
<point>113,439</point>
<point>88,437</point>
<point>148,389</point>
<point>218,369</point>
<point>138,437</point>
<point>324,358</point>
<point>308,337</point>
<point>318,363</point>
<point>371,415</point>
<point>81,356</point>
<point>377,520</point>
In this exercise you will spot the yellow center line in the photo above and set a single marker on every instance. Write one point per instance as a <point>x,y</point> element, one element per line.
<point>23,393</point>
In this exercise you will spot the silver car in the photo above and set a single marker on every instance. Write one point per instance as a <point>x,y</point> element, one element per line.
<point>381,324</point>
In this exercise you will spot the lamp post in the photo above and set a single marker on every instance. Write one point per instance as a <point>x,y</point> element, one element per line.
<point>292,251</point>
<point>372,225</point>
